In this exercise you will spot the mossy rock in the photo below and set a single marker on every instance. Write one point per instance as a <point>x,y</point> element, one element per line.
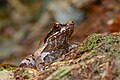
<point>98,57</point>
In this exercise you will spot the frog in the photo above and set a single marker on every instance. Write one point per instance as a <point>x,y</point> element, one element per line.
<point>56,43</point>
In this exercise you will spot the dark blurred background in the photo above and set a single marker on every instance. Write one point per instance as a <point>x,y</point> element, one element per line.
<point>24,23</point>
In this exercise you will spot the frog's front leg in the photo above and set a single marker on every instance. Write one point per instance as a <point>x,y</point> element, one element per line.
<point>72,46</point>
<point>40,61</point>
<point>29,61</point>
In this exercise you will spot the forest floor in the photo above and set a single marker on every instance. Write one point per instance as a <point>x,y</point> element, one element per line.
<point>96,58</point>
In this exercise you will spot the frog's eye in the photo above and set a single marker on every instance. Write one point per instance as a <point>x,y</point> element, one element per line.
<point>56,28</point>
<point>56,25</point>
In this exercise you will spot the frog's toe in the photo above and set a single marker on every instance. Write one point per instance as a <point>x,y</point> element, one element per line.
<point>72,46</point>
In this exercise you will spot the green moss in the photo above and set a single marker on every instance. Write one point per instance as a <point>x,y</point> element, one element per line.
<point>105,44</point>
<point>106,38</point>
<point>59,73</point>
<point>8,67</point>
<point>97,52</point>
<point>90,42</point>
<point>1,69</point>
<point>92,53</point>
<point>24,73</point>
<point>118,55</point>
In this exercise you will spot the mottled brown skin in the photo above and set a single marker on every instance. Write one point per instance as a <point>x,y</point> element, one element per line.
<point>56,43</point>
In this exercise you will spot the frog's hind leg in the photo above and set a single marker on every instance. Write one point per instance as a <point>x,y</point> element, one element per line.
<point>29,61</point>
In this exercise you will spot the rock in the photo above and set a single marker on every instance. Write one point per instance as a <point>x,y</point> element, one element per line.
<point>97,58</point>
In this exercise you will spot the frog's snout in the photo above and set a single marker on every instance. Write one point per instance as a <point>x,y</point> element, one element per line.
<point>69,28</point>
<point>70,22</point>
